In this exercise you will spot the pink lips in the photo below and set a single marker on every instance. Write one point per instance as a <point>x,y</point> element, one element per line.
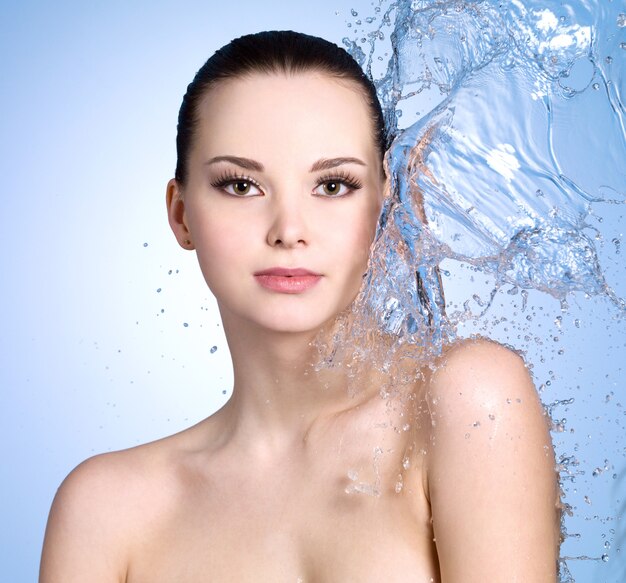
<point>286,280</point>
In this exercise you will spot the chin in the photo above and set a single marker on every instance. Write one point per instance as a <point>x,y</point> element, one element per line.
<point>285,316</point>
<point>290,324</point>
<point>294,319</point>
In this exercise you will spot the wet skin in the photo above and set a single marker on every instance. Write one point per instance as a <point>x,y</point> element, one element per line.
<point>297,478</point>
<point>193,508</point>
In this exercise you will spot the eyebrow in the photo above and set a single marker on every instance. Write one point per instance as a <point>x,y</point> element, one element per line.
<point>321,164</point>
<point>327,163</point>
<point>246,163</point>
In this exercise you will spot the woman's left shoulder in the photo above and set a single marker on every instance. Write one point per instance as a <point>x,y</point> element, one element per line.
<point>479,351</point>
<point>482,402</point>
<point>489,470</point>
<point>480,374</point>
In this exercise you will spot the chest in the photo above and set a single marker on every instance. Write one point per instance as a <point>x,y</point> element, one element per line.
<point>317,538</point>
<point>348,508</point>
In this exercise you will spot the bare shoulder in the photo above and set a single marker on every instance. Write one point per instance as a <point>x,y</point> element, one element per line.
<point>101,510</point>
<point>490,472</point>
<point>482,376</point>
<point>482,398</point>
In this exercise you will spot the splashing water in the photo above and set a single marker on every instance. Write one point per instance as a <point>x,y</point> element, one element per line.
<point>493,190</point>
<point>500,181</point>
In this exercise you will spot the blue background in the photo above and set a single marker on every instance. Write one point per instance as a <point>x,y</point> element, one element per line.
<point>107,323</point>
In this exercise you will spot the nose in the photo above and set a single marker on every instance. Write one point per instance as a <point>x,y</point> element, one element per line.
<point>287,227</point>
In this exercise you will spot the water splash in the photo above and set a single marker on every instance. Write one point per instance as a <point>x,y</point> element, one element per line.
<point>494,195</point>
<point>494,169</point>
<point>371,487</point>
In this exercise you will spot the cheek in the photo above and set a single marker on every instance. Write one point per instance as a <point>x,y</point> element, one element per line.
<point>369,222</point>
<point>220,243</point>
<point>354,238</point>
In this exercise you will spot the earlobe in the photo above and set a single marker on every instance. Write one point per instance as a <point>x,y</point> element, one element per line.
<point>386,189</point>
<point>176,214</point>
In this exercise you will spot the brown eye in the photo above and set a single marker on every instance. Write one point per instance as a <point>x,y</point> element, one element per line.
<point>336,186</point>
<point>236,186</point>
<point>331,187</point>
<point>241,187</point>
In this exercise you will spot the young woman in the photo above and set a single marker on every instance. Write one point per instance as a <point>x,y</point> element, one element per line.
<point>447,477</point>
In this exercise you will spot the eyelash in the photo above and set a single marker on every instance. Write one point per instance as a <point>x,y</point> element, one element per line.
<point>340,176</point>
<point>228,178</point>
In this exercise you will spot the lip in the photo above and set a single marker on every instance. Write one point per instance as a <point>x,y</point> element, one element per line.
<point>287,280</point>
<point>286,271</point>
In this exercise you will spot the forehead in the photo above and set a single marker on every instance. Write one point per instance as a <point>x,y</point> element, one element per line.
<point>311,113</point>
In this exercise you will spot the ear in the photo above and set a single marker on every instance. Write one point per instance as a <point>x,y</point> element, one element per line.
<point>385,178</point>
<point>176,214</point>
<point>385,188</point>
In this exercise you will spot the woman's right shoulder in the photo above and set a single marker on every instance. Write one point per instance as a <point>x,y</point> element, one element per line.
<point>105,483</point>
<point>100,511</point>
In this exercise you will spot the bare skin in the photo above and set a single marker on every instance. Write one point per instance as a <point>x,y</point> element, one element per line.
<point>448,478</point>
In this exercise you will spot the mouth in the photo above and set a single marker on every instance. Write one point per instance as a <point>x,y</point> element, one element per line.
<point>287,280</point>
<point>287,272</point>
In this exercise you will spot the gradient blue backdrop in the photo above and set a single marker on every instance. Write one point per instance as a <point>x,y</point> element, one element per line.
<point>107,323</point>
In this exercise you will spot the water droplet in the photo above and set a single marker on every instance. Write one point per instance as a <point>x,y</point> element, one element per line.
<point>399,484</point>
<point>608,60</point>
<point>621,20</point>
<point>617,244</point>
<point>354,12</point>
<point>185,324</point>
<point>158,290</point>
<point>605,558</point>
<point>587,500</point>
<point>596,86</point>
<point>145,244</point>
<point>213,349</point>
<point>406,462</point>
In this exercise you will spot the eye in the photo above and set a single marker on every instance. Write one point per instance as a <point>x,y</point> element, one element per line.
<point>334,188</point>
<point>241,186</point>
<point>338,185</point>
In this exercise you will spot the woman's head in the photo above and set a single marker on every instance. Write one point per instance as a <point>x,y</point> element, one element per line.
<point>279,169</point>
<point>272,52</point>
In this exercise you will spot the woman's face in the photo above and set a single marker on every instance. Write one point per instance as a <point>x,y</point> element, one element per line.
<point>283,173</point>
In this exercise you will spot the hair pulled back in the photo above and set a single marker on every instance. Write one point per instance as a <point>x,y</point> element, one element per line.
<point>270,52</point>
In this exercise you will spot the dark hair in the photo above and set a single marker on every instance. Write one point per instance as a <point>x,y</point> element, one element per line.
<point>269,52</point>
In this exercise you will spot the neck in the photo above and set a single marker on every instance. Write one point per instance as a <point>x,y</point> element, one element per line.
<point>278,393</point>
